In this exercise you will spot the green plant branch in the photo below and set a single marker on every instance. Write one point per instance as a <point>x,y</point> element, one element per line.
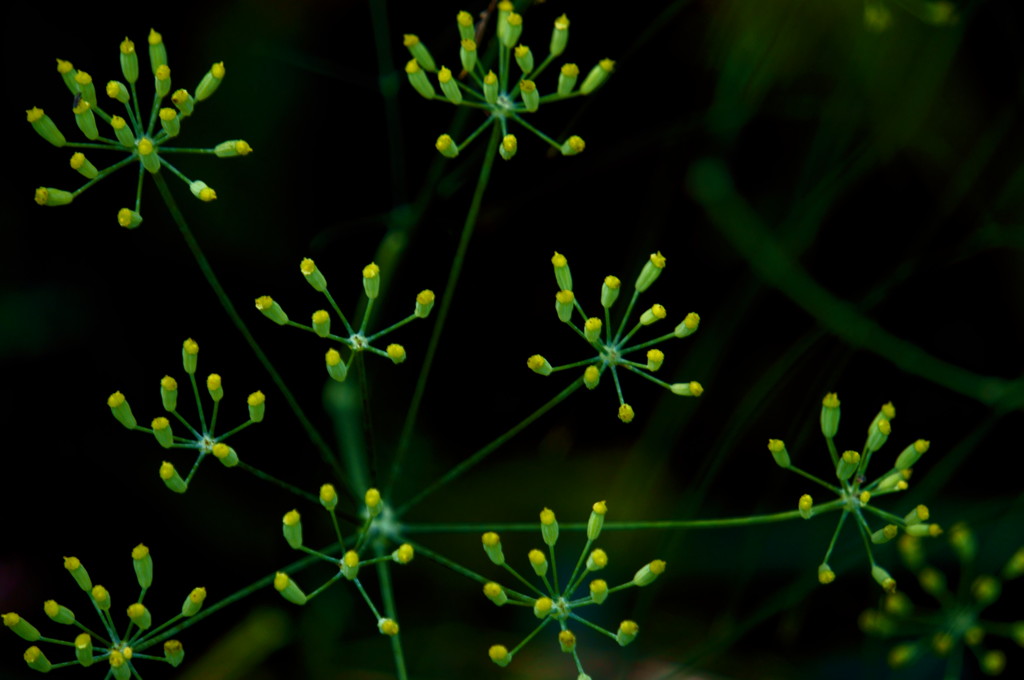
<point>225,301</point>
<point>711,185</point>
<point>442,314</point>
<point>470,462</point>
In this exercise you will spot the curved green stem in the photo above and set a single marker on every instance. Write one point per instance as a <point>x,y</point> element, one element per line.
<point>225,301</point>
<point>446,301</point>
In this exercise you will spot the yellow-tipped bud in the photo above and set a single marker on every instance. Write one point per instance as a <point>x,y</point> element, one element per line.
<point>626,414</point>
<point>271,309</point>
<point>387,627</point>
<point>646,575</point>
<point>291,527</point>
<point>396,353</point>
<point>806,506</point>
<point>328,496</point>
<point>539,364</point>
<point>424,303</point>
<point>21,627</point>
<point>591,376</point>
<point>336,368</point>
<point>778,450</point>
<point>596,521</point>
<point>374,504</point>
<point>495,593</point>
<point>598,590</point>
<point>371,280</point>
<point>825,574</point>
<point>225,454</point>
<point>403,554</point>
<point>539,562</point>
<point>499,654</point>
<point>492,546</point>
<point>567,641</point>
<point>140,616</point>
<point>572,146</point>
<point>257,403</point>
<point>543,606</point>
<point>349,565</point>
<point>121,410</point>
<point>626,633</point>
<point>288,588</point>
<point>597,559</point>
<point>194,602</point>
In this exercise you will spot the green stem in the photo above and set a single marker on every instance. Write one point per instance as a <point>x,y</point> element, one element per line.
<point>388,595</point>
<point>487,450</point>
<point>234,597</point>
<point>267,477</point>
<point>623,526</point>
<point>442,314</point>
<point>225,301</point>
<point>712,186</point>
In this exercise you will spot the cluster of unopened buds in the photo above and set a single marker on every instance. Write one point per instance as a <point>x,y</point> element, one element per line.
<point>855,494</point>
<point>120,650</point>
<point>613,346</point>
<point>202,439</point>
<point>351,561</point>
<point>959,622</point>
<point>136,137</point>
<point>355,341</point>
<point>510,93</point>
<point>552,603</point>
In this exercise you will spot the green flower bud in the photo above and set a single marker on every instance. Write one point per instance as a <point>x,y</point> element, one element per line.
<point>492,546</point>
<point>162,431</point>
<point>21,627</point>
<point>531,98</point>
<point>86,87</point>
<point>140,616</point>
<point>449,86</point>
<point>184,102</point>
<point>910,455</point>
<point>36,660</point>
<point>157,50</point>
<point>491,88</point>
<point>495,593</point>
<point>371,280</point>
<point>336,368</point>
<point>117,90</point>
<point>78,572</point>
<point>83,649</point>
<point>466,28</point>
<point>201,191</point>
<point>646,575</point>
<point>84,167</point>
<point>508,147</point>
<point>559,35</point>
<point>563,305</point>
<point>225,454</point>
<point>143,563</point>
<point>524,58</point>
<point>169,121</point>
<point>210,82</point>
<point>189,355</point>
<point>172,479</point>
<point>567,79</point>
<point>148,155</point>
<point>123,133</point>
<point>271,309</point>
<point>129,61</point>
<point>45,127</point>
<point>288,589</point>
<point>651,271</point>
<point>467,54</point>
<point>419,51</point>
<point>59,613</point>
<point>418,79</point>
<point>257,403</point>
<point>539,562</point>
<point>688,325</point>
<point>597,76</point>
<point>232,148</point>
<point>598,591</point>
<point>830,415</point>
<point>626,633</point>
<point>596,521</point>
<point>328,497</point>
<point>53,197</point>
<point>539,364</point>
<point>591,376</point>
<point>848,463</point>
<point>174,653</point>
<point>162,80</point>
<point>120,409</point>
<point>350,565</point>
<point>214,387</point>
<point>424,303</point>
<point>292,529</point>
<point>500,655</point>
<point>194,602</point>
<point>779,452</point>
<point>322,323</point>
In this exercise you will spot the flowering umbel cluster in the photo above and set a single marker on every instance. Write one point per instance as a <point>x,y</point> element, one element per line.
<point>356,340</point>
<point>957,626</point>
<point>203,439</point>
<point>553,603</point>
<point>351,561</point>
<point>512,92</point>
<point>127,132</point>
<point>117,652</point>
<point>612,346</point>
<point>856,495</point>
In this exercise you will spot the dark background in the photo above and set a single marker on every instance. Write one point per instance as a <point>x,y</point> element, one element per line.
<point>885,166</point>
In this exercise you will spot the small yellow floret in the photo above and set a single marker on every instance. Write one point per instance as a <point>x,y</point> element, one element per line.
<point>115,400</point>
<point>160,423</point>
<point>559,260</point>
<point>281,581</point>
<point>884,426</point>
<point>167,114</point>
<point>600,507</point>
<point>333,357</point>
<point>387,627</point>
<point>425,297</point>
<point>83,78</point>
<point>34,114</point>
<point>145,146</point>
<point>658,260</point>
<point>562,23</point>
<point>321,316</point>
<point>218,70</point>
<point>576,143</point>
<point>514,19</point>
<point>464,18</point>
<point>264,302</point>
<point>570,70</point>
<point>154,37</point>
<point>292,517</point>
<point>888,410</point>
<point>864,496</point>
<point>207,194</point>
<point>536,557</point>
<point>490,78</point>
<point>592,324</point>
<point>372,498</point>
<point>658,311</point>
<point>371,271</point>
<point>444,75</point>
<point>405,553</point>
<point>612,282</point>
<point>657,566</point>
<point>213,382</point>
<point>607,64</point>
<point>492,589</point>
<point>831,400</point>
<point>139,552</point>
<point>256,398</point>
<point>64,66</point>
<point>163,72</point>
<point>497,653</point>
<point>410,39</point>
<point>127,46</point>
<point>527,86</point>
<point>565,297</point>
<point>626,413</point>
<point>191,346</point>
<point>491,539</point>
<point>81,107</point>
<point>166,471</point>
<point>412,67</point>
